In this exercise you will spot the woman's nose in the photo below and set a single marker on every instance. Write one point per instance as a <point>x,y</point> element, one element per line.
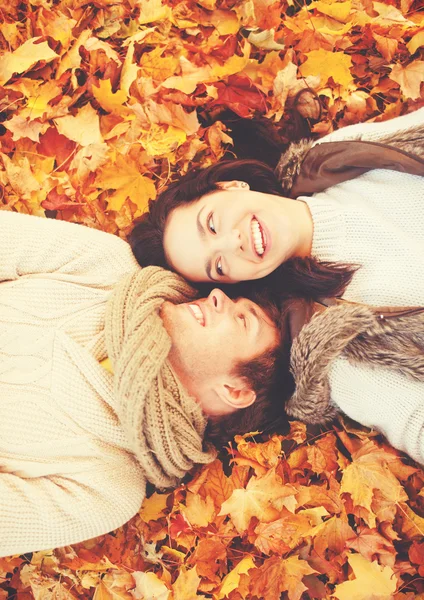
<point>232,241</point>
<point>218,299</point>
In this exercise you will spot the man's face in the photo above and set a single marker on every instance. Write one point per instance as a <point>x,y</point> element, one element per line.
<point>210,337</point>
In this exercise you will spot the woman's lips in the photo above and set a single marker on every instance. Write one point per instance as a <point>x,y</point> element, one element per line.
<point>260,237</point>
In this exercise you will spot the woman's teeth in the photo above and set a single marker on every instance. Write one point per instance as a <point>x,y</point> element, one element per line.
<point>258,237</point>
<point>198,314</point>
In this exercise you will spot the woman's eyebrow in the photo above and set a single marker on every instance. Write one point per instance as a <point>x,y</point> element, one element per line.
<point>200,227</point>
<point>208,269</point>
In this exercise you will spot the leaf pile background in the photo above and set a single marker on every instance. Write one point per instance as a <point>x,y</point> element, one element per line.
<point>104,102</point>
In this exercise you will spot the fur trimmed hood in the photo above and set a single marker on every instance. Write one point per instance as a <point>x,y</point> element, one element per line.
<point>308,167</point>
<point>362,336</point>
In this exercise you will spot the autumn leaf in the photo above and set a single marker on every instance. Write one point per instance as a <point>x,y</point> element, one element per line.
<point>257,500</point>
<point>150,587</point>
<point>127,182</point>
<point>83,127</point>
<point>232,579</point>
<point>24,58</point>
<point>328,64</point>
<point>409,78</point>
<point>278,575</point>
<point>369,471</point>
<point>108,100</point>
<point>371,581</point>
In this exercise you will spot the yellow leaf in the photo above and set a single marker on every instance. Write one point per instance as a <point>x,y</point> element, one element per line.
<point>149,587</point>
<point>129,70</point>
<point>24,57</point>
<point>232,580</point>
<point>83,128</point>
<point>159,141</point>
<point>197,511</point>
<point>416,42</point>
<point>186,585</point>
<point>127,181</point>
<point>328,64</point>
<point>412,524</point>
<point>152,11</point>
<point>22,127</point>
<point>111,102</point>
<point>225,21</point>
<point>20,176</point>
<point>337,10</point>
<point>371,581</point>
<point>153,507</point>
<point>409,78</point>
<point>72,59</point>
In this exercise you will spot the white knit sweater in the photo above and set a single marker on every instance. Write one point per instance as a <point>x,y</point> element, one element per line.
<point>66,473</point>
<point>377,221</point>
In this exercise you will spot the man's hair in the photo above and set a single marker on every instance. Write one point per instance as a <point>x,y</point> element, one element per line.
<point>270,378</point>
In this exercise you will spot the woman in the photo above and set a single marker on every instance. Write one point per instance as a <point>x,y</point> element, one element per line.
<point>362,238</point>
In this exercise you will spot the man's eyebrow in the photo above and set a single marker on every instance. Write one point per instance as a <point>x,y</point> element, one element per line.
<point>200,227</point>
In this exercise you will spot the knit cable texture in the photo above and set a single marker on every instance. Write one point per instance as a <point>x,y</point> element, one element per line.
<point>164,425</point>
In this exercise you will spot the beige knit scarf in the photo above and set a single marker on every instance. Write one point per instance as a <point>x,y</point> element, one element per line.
<point>163,424</point>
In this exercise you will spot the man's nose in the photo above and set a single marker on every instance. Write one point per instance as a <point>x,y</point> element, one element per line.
<point>218,300</point>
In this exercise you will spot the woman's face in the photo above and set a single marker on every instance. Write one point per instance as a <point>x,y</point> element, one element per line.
<point>231,235</point>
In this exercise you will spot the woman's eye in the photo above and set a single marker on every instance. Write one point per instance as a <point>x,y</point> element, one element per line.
<point>219,268</point>
<point>211,225</point>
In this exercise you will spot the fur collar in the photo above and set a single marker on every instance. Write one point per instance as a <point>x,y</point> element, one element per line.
<point>358,333</point>
<point>307,167</point>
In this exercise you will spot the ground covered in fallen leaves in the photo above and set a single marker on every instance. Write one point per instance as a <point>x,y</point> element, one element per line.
<point>102,103</point>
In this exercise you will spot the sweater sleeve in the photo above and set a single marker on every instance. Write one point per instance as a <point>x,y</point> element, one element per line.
<point>382,399</point>
<point>45,512</point>
<point>31,245</point>
<point>372,132</point>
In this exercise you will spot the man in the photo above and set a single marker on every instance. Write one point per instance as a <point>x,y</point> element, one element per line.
<point>77,442</point>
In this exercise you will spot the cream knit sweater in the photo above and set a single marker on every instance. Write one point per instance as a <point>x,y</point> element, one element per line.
<point>377,221</point>
<point>66,473</point>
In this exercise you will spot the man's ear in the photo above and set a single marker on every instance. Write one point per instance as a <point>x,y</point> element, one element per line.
<point>237,394</point>
<point>233,185</point>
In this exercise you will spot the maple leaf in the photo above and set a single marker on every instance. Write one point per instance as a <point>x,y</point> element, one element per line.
<point>186,585</point>
<point>24,58</point>
<point>277,576</point>
<point>199,512</point>
<point>148,586</point>
<point>328,64</point>
<point>370,542</point>
<point>283,534</point>
<point>110,101</point>
<point>257,500</point>
<point>83,127</point>
<point>22,127</point>
<point>409,78</point>
<point>417,41</point>
<point>371,582</point>
<point>369,471</point>
<point>153,507</point>
<point>207,557</point>
<point>232,579</point>
<point>128,182</point>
